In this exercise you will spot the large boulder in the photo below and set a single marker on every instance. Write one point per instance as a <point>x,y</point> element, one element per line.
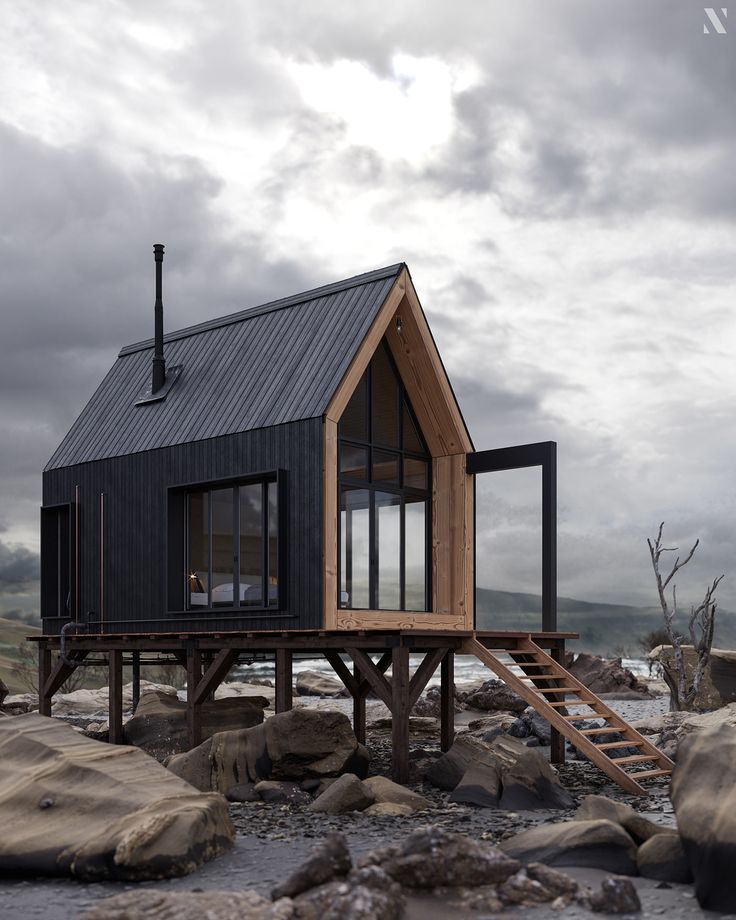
<point>3,691</point>
<point>159,726</point>
<point>703,793</point>
<point>330,860</point>
<point>152,904</point>
<point>73,806</point>
<point>386,792</point>
<point>431,857</point>
<point>296,744</point>
<point>663,858</point>
<point>504,773</point>
<point>596,844</point>
<point>346,794</point>
<point>607,676</point>
<point>247,689</point>
<point>494,695</point>
<point>639,828</point>
<point>718,685</point>
<point>96,702</point>
<point>365,894</point>
<point>312,683</point>
<point>667,731</point>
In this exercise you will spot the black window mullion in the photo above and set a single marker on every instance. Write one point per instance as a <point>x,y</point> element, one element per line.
<point>210,573</point>
<point>372,551</point>
<point>264,544</point>
<point>402,554</point>
<point>236,546</point>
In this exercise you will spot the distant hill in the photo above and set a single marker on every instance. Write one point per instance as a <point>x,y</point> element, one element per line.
<point>12,633</point>
<point>603,628</point>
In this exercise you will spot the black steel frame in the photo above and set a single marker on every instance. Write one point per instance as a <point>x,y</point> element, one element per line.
<point>401,490</point>
<point>544,454</point>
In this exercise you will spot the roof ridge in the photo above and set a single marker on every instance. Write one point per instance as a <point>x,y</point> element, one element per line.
<point>335,287</point>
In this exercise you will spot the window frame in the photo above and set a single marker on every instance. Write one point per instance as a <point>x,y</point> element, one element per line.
<point>180,543</point>
<point>372,486</point>
<point>52,574</point>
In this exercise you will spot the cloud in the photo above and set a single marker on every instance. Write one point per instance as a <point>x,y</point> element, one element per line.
<point>19,568</point>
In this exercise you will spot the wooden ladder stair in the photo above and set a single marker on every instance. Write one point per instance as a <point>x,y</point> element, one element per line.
<point>547,678</point>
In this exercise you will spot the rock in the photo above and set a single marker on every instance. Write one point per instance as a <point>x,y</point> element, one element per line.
<point>447,771</point>
<point>597,844</point>
<point>96,702</point>
<point>16,703</point>
<point>386,792</point>
<point>431,857</point>
<point>490,727</point>
<point>663,858</point>
<point>347,793</point>
<point>639,828</point>
<point>113,812</point>
<point>242,792</point>
<point>330,860</point>
<point>3,691</point>
<point>153,904</point>
<point>159,726</point>
<point>703,793</point>
<point>366,894</point>
<point>537,884</point>
<point>718,685</point>
<point>429,703</point>
<point>616,896</point>
<point>312,683</point>
<point>275,792</point>
<point>493,695</point>
<point>388,810</point>
<point>670,729</point>
<point>418,725</point>
<point>254,687</point>
<point>507,774</point>
<point>608,676</point>
<point>297,744</point>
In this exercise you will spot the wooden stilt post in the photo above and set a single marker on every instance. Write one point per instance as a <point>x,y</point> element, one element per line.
<point>136,679</point>
<point>359,706</point>
<point>194,708</point>
<point>284,678</point>
<point>400,713</point>
<point>447,700</point>
<point>115,709</point>
<point>557,739</point>
<point>44,672</point>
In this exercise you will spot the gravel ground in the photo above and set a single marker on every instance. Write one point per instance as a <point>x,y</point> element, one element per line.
<point>273,839</point>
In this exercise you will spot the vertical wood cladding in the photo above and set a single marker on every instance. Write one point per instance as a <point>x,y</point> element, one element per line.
<point>135,565</point>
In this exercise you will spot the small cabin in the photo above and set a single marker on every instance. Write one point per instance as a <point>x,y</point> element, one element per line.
<point>300,465</point>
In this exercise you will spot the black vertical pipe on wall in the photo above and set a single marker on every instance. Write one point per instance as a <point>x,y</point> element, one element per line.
<point>159,364</point>
<point>544,454</point>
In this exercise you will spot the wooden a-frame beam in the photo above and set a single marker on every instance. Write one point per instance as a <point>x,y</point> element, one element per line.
<point>215,674</point>
<point>370,672</point>
<point>423,673</point>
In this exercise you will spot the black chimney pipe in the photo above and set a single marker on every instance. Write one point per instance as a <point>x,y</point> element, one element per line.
<point>159,362</point>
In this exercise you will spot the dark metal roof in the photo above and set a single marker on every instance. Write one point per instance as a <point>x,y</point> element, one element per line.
<point>272,364</point>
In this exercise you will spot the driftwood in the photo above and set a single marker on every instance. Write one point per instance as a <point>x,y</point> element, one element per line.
<point>701,617</point>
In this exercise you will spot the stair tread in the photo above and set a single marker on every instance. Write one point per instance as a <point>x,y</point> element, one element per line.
<point>590,715</point>
<point>558,690</point>
<point>618,744</point>
<point>646,773</point>
<point>635,758</point>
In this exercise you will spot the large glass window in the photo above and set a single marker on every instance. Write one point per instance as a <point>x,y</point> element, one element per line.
<point>385,482</point>
<point>232,546</point>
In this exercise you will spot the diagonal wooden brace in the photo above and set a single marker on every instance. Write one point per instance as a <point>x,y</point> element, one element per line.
<point>215,674</point>
<point>423,674</point>
<point>372,675</point>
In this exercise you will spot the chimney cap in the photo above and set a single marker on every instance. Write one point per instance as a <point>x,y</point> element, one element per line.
<point>158,250</point>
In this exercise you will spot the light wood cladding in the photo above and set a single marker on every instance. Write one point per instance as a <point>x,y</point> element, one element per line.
<point>431,396</point>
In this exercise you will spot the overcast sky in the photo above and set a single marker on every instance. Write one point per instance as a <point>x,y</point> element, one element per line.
<point>558,175</point>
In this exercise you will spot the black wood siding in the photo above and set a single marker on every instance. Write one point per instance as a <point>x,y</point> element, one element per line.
<point>137,486</point>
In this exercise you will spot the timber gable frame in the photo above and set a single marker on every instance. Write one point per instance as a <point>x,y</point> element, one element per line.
<point>402,324</point>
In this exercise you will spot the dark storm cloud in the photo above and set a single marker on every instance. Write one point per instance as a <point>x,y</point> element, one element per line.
<point>19,568</point>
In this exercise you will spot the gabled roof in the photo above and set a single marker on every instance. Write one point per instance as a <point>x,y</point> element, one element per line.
<point>280,362</point>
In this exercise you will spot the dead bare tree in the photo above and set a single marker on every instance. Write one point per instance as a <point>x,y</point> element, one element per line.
<point>701,617</point>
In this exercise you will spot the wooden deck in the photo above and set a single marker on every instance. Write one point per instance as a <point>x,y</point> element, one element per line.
<point>209,657</point>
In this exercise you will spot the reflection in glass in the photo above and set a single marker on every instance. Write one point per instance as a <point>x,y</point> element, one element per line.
<point>385,467</point>
<point>354,420</point>
<point>415,552</point>
<point>415,473</point>
<point>251,546</point>
<point>412,440</point>
<point>199,551</point>
<point>273,545</point>
<point>222,547</point>
<point>354,548</point>
<point>385,401</point>
<point>353,461</point>
<point>388,543</point>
